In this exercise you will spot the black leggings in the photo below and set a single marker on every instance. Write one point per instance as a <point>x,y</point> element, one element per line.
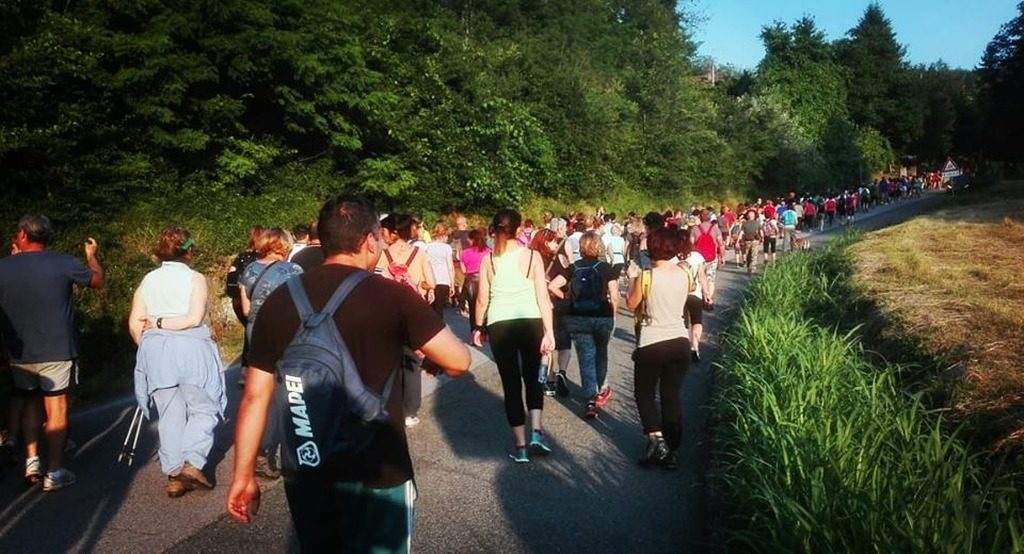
<point>469,290</point>
<point>516,348</point>
<point>441,294</point>
<point>660,367</point>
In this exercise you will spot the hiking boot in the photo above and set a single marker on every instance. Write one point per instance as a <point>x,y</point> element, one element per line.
<point>549,388</point>
<point>176,488</point>
<point>670,462</point>
<point>33,475</point>
<point>603,397</point>
<point>56,480</point>
<point>562,383</point>
<point>655,452</point>
<point>192,474</point>
<point>520,456</point>
<point>590,412</point>
<point>264,468</point>
<point>539,443</point>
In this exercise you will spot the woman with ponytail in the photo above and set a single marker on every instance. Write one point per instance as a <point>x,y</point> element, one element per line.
<point>178,367</point>
<point>514,311</point>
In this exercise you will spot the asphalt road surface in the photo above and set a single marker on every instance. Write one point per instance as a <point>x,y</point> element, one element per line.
<point>588,496</point>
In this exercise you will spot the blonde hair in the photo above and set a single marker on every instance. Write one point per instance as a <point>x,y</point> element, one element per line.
<point>440,230</point>
<point>274,240</point>
<point>591,245</point>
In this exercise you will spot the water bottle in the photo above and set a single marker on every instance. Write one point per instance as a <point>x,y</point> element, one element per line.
<point>542,374</point>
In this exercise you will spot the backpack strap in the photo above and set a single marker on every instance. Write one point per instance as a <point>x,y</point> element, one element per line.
<point>387,254</point>
<point>310,318</point>
<point>415,250</point>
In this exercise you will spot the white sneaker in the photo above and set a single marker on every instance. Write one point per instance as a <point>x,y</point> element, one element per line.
<point>32,473</point>
<point>411,421</point>
<point>56,480</point>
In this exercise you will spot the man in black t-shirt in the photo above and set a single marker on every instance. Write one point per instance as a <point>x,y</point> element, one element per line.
<point>364,505</point>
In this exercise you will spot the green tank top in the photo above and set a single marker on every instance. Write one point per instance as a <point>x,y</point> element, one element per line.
<point>513,295</point>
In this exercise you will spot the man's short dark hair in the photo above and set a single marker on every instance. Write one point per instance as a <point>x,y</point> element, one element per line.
<point>300,232</point>
<point>343,224</point>
<point>653,220</point>
<point>37,228</point>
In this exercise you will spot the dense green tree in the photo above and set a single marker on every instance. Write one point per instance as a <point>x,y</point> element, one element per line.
<point>1002,79</point>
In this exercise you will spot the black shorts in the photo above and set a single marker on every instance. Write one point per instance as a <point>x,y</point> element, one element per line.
<point>694,310</point>
<point>769,245</point>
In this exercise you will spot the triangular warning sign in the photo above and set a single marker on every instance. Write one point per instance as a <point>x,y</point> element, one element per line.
<point>950,166</point>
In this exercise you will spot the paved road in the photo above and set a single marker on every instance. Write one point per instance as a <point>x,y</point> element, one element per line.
<point>589,496</point>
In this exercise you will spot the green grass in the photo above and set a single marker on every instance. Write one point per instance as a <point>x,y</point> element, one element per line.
<point>819,450</point>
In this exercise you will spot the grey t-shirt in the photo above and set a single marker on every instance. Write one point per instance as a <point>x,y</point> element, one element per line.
<point>36,315</point>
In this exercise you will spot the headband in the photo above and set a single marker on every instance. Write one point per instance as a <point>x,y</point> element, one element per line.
<point>186,245</point>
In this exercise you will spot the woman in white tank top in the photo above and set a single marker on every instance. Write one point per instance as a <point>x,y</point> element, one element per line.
<point>178,367</point>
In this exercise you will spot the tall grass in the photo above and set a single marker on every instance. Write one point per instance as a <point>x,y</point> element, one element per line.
<point>818,450</point>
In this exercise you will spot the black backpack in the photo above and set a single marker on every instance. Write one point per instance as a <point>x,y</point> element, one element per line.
<point>586,290</point>
<point>327,413</point>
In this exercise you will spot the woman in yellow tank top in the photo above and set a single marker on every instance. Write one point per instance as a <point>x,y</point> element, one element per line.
<point>514,311</point>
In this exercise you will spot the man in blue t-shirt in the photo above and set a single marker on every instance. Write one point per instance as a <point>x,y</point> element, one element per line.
<point>37,325</point>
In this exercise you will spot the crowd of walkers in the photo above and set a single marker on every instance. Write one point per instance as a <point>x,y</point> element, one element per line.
<point>535,292</point>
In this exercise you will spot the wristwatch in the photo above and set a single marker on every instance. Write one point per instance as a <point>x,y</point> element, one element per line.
<point>159,323</point>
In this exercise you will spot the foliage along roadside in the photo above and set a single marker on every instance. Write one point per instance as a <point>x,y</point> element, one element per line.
<point>819,450</point>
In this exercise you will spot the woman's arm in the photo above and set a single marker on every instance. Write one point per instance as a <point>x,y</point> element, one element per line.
<point>613,295</point>
<point>137,317</point>
<point>428,283</point>
<point>547,344</point>
<point>555,287</point>
<point>635,294</point>
<point>451,277</point>
<point>243,296</point>
<point>483,298</point>
<point>196,308</point>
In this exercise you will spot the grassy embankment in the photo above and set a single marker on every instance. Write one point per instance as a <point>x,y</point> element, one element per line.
<point>818,446</point>
<point>951,285</point>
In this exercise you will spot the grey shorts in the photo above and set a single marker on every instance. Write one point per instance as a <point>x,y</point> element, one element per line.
<point>52,378</point>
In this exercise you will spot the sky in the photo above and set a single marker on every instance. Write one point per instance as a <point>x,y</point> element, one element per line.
<point>955,31</point>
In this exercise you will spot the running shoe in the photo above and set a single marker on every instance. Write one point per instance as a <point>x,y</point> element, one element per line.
<point>520,456</point>
<point>670,462</point>
<point>539,443</point>
<point>56,480</point>
<point>603,397</point>
<point>33,475</point>
<point>590,412</point>
<point>562,383</point>
<point>549,388</point>
<point>655,452</point>
<point>411,421</point>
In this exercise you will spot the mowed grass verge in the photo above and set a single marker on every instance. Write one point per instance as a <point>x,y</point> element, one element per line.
<point>819,449</point>
<point>953,282</point>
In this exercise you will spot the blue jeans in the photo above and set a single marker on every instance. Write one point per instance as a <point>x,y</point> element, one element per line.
<point>187,418</point>
<point>591,336</point>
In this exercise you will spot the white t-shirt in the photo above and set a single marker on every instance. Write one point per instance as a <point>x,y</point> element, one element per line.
<point>296,248</point>
<point>167,290</point>
<point>440,254</point>
<point>695,260</point>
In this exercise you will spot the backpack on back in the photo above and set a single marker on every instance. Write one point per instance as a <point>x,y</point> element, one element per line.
<point>400,272</point>
<point>705,243</point>
<point>327,413</point>
<point>586,291</point>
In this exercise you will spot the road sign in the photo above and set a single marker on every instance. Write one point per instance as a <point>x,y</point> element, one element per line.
<point>950,169</point>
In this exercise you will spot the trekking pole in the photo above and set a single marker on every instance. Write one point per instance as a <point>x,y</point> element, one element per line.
<point>134,428</point>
